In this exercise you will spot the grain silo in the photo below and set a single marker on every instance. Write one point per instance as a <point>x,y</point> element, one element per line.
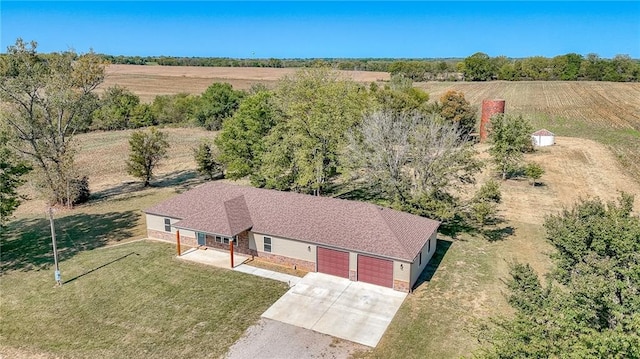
<point>489,108</point>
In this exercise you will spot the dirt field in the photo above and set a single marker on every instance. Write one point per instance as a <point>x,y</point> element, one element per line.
<point>149,81</point>
<point>574,168</point>
<point>608,112</point>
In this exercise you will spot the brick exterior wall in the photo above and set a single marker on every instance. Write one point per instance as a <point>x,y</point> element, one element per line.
<point>242,247</point>
<point>286,261</point>
<point>171,237</point>
<point>401,286</point>
<point>243,244</point>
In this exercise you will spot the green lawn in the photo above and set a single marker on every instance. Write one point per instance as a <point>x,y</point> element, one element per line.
<point>461,287</point>
<point>128,301</point>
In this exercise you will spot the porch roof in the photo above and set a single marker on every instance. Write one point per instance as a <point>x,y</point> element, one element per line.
<point>228,218</point>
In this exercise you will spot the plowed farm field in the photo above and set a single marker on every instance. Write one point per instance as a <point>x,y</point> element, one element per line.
<point>149,81</point>
<point>604,104</point>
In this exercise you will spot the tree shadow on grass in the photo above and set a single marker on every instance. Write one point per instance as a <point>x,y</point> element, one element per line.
<point>26,243</point>
<point>492,232</point>
<point>497,234</point>
<point>123,188</point>
<point>182,180</point>
<point>441,250</point>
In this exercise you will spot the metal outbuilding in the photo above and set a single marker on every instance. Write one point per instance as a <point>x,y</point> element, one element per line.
<point>543,138</point>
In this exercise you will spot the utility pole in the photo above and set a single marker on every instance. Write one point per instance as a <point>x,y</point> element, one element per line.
<point>55,249</point>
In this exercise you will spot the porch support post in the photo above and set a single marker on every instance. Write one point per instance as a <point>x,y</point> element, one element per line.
<point>231,248</point>
<point>178,242</point>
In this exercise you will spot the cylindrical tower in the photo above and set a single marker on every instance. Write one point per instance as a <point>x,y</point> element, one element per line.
<point>489,108</point>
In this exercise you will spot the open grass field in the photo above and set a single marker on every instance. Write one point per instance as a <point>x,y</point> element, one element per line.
<point>130,301</point>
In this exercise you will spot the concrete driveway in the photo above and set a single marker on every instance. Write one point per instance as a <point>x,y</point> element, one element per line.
<point>355,311</point>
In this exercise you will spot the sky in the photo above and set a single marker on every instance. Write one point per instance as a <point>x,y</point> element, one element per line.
<point>304,29</point>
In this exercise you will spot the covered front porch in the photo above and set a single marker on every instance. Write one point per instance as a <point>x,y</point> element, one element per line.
<point>221,259</point>
<point>214,257</point>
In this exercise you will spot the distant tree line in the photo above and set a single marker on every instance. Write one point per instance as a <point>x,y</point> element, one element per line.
<point>477,67</point>
<point>569,67</point>
<point>372,64</point>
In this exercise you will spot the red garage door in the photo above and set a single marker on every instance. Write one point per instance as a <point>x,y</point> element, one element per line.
<point>375,271</point>
<point>333,262</point>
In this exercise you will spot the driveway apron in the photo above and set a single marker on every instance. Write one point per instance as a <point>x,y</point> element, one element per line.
<point>355,311</point>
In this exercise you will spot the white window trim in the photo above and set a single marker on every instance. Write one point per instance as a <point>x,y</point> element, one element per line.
<point>270,244</point>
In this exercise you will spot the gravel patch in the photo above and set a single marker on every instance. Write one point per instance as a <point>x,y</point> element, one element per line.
<point>271,339</point>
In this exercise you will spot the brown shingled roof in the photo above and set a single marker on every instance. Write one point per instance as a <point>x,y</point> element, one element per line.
<point>543,132</point>
<point>223,208</point>
<point>227,218</point>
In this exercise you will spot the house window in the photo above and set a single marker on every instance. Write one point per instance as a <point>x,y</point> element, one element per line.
<point>167,225</point>
<point>428,246</point>
<point>235,240</point>
<point>420,259</point>
<point>267,244</point>
<point>225,240</point>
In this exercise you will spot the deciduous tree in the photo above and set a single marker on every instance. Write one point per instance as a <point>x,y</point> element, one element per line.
<point>456,109</point>
<point>147,148</point>
<point>595,312</point>
<point>510,138</point>
<point>47,99</point>
<point>179,108</point>
<point>206,160</point>
<point>117,109</point>
<point>478,67</point>
<point>533,171</point>
<point>400,96</point>
<point>318,107</point>
<point>12,171</point>
<point>416,161</point>
<point>242,139</point>
<point>483,206</point>
<point>218,102</point>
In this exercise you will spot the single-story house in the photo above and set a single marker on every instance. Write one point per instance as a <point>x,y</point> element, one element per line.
<point>355,240</point>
